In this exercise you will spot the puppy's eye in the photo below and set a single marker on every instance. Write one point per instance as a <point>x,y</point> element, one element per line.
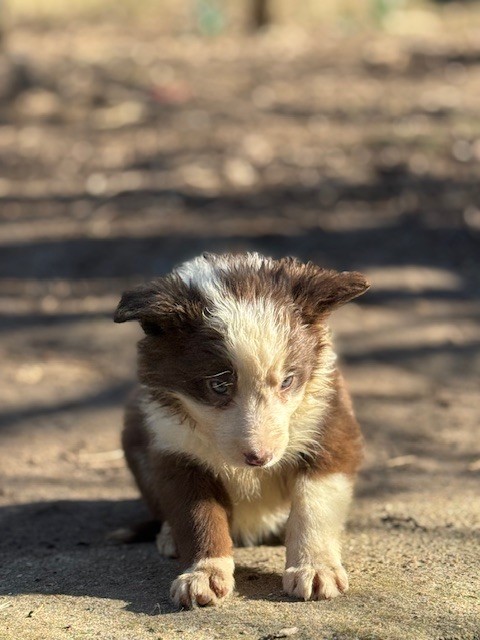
<point>219,386</point>
<point>221,383</point>
<point>287,382</point>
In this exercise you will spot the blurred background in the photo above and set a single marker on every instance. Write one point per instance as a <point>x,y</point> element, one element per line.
<point>136,134</point>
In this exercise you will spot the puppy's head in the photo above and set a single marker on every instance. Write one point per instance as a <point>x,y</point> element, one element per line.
<point>234,341</point>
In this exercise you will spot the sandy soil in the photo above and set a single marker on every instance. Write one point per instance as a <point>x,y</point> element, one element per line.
<point>121,155</point>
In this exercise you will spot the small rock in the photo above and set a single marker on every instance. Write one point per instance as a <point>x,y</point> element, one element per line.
<point>462,150</point>
<point>283,633</point>
<point>240,173</point>
<point>96,184</point>
<point>474,466</point>
<point>471,217</point>
<point>38,104</point>
<point>120,115</point>
<point>286,633</point>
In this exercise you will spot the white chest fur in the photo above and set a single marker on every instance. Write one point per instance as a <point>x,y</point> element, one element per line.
<point>261,504</point>
<point>260,498</point>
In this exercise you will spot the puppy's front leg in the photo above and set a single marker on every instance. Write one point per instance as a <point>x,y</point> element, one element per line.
<point>319,508</point>
<point>209,578</point>
<point>197,508</point>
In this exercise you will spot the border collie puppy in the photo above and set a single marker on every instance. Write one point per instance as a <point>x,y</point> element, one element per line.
<point>241,429</point>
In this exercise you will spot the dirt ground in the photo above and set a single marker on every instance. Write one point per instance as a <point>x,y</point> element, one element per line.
<point>121,154</point>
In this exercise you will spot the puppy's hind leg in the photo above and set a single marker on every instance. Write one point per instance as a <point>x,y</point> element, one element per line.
<point>165,543</point>
<point>141,532</point>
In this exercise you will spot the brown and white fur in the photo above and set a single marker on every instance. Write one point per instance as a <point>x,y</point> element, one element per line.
<point>241,428</point>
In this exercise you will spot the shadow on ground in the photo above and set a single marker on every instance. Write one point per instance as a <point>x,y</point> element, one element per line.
<point>61,548</point>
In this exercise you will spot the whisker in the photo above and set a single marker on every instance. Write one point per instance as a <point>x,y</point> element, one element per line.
<point>216,375</point>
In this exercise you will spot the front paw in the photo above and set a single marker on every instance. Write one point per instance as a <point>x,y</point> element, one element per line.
<point>207,582</point>
<point>319,582</point>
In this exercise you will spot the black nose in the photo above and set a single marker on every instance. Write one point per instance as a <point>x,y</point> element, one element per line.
<point>257,459</point>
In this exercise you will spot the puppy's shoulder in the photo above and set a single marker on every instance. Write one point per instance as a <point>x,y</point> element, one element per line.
<point>135,432</point>
<point>340,446</point>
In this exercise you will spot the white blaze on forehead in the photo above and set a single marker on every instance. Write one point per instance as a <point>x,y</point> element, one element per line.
<point>255,331</point>
<point>203,272</point>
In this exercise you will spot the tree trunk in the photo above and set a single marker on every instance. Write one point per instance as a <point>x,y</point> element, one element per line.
<point>260,16</point>
<point>2,26</point>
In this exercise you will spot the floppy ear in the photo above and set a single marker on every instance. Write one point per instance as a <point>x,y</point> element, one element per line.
<point>163,303</point>
<point>135,304</point>
<point>319,291</point>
